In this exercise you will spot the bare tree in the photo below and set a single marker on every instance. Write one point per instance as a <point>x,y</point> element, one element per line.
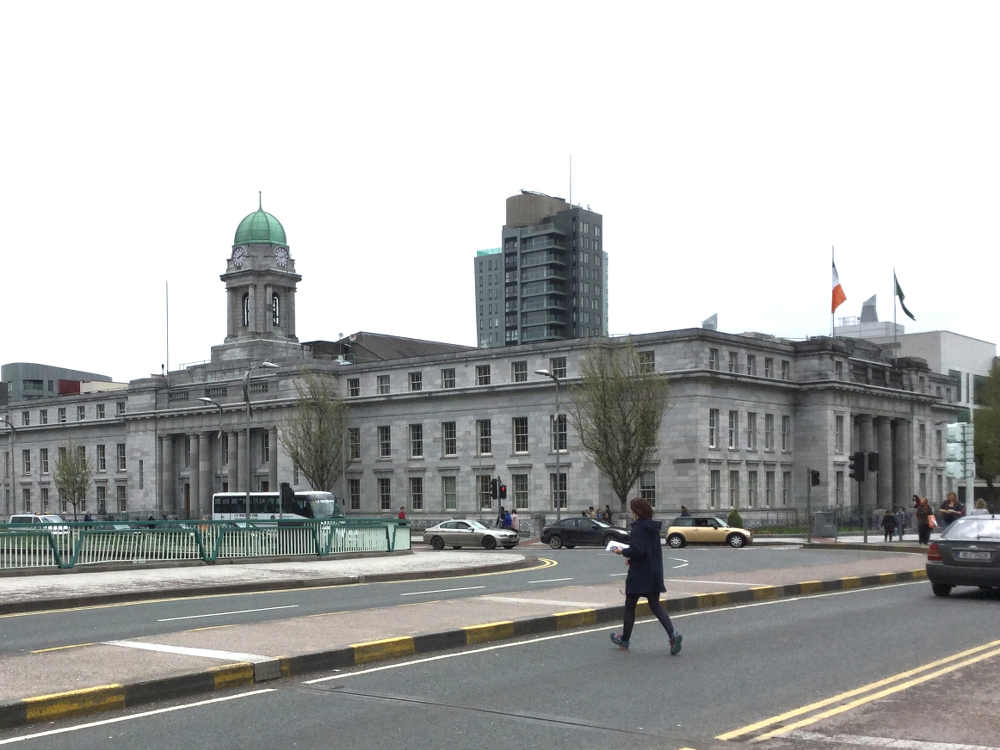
<point>314,435</point>
<point>73,476</point>
<point>616,410</point>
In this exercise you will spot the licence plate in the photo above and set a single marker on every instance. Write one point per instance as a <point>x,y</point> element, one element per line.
<point>963,555</point>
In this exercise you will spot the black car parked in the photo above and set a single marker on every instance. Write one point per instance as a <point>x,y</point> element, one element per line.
<point>570,532</point>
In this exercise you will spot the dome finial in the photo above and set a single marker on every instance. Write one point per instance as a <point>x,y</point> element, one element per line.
<point>260,201</point>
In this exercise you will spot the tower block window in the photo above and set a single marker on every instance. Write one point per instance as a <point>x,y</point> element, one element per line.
<point>275,310</point>
<point>246,310</point>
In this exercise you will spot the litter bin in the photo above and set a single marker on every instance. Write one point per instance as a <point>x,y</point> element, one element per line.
<point>824,523</point>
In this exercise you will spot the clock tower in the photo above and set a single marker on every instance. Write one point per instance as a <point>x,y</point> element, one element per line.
<point>260,283</point>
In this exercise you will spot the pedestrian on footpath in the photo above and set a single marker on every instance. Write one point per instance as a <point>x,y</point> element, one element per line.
<point>515,522</point>
<point>402,513</point>
<point>645,574</point>
<point>924,515</point>
<point>951,509</point>
<point>685,511</point>
<point>888,525</point>
<point>900,521</point>
<point>500,513</point>
<point>608,515</point>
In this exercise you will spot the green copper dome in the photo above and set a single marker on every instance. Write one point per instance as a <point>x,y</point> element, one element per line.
<point>260,226</point>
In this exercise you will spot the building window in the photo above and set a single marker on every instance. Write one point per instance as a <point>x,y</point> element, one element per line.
<point>768,367</point>
<point>62,414</point>
<point>383,384</point>
<point>484,430</point>
<point>923,445</point>
<point>354,387</point>
<point>786,433</point>
<point>448,377</point>
<point>120,498</point>
<point>769,432</point>
<point>734,362</point>
<point>485,497</point>
<point>416,381</point>
<point>354,443</point>
<point>923,484</point>
<point>246,310</point>
<point>141,475</point>
<point>557,487</point>
<point>354,492</point>
<point>384,494</point>
<point>786,370</point>
<point>734,430</point>
<point>45,499</point>
<point>265,447</point>
<point>839,488</point>
<point>647,487</point>
<point>81,454</point>
<point>769,488</point>
<point>43,460</point>
<point>417,493</point>
<point>416,441</point>
<point>449,495</point>
<point>25,418</point>
<point>26,499</point>
<point>557,366</point>
<point>713,359</point>
<point>518,371</point>
<point>449,439</point>
<point>102,461</point>
<point>734,489</point>
<point>838,370</point>
<point>520,430</point>
<point>482,374</point>
<point>100,411</point>
<point>786,488</point>
<point>102,500</point>
<point>751,431</point>
<point>275,310</point>
<point>224,448</point>
<point>714,488</point>
<point>647,361</point>
<point>81,413</point>
<point>121,456</point>
<point>713,428</point>
<point>384,441</point>
<point>43,416</point>
<point>120,408</point>
<point>752,489</point>
<point>939,481</point>
<point>938,444</point>
<point>751,364</point>
<point>557,428</point>
<point>520,489</point>
<point>838,433</point>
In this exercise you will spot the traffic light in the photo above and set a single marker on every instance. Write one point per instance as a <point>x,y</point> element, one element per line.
<point>494,491</point>
<point>857,466</point>
<point>503,491</point>
<point>814,478</point>
<point>872,461</point>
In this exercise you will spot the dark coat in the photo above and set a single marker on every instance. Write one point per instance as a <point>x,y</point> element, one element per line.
<point>645,559</point>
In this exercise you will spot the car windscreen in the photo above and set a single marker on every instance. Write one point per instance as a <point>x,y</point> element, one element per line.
<point>475,524</point>
<point>973,528</point>
<point>601,524</point>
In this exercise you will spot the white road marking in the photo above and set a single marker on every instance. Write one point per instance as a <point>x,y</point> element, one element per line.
<point>441,591</point>
<point>574,633</point>
<point>222,614</point>
<point>721,583</point>
<point>186,651</point>
<point>681,560</point>
<point>554,602</point>
<point>619,574</point>
<point>550,580</point>
<point>894,744</point>
<point>143,715</point>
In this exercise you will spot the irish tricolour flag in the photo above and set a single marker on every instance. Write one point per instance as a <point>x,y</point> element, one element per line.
<point>838,290</point>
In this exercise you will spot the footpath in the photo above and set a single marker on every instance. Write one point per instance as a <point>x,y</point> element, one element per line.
<point>88,677</point>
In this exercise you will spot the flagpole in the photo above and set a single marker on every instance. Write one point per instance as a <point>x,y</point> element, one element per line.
<point>833,262</point>
<point>894,342</point>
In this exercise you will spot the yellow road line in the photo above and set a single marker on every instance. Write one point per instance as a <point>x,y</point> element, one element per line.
<point>61,648</point>
<point>749,728</point>
<point>55,705</point>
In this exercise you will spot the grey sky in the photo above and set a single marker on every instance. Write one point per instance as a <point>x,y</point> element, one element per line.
<point>728,146</point>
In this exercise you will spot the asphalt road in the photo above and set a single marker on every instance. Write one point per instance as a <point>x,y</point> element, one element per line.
<point>581,566</point>
<point>739,665</point>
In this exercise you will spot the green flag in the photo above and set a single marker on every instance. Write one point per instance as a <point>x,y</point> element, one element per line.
<point>899,293</point>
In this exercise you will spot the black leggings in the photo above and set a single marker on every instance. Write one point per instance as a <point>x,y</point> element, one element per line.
<point>654,606</point>
<point>924,533</point>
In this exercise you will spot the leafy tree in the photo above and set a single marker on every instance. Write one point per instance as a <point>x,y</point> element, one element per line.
<point>616,410</point>
<point>313,435</point>
<point>987,430</point>
<point>73,476</point>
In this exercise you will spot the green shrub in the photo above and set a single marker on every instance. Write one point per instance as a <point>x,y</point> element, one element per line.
<point>735,519</point>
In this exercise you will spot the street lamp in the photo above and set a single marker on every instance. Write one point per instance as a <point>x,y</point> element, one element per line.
<point>12,503</point>
<point>555,443</point>
<point>246,399</point>
<point>218,438</point>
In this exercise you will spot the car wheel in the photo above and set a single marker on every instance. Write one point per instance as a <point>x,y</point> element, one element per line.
<point>941,589</point>
<point>508,546</point>
<point>555,541</point>
<point>437,542</point>
<point>570,546</point>
<point>675,540</point>
<point>735,540</point>
<point>489,542</point>
<point>457,546</point>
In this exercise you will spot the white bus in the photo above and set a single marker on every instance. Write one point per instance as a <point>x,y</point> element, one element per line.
<point>267,506</point>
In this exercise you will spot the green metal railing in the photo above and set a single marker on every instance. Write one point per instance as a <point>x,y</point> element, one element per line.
<point>68,545</point>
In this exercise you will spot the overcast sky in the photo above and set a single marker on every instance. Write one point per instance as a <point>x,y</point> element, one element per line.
<point>727,145</point>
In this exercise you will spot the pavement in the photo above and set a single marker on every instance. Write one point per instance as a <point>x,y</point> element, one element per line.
<point>88,677</point>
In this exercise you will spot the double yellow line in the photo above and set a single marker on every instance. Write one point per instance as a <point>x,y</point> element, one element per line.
<point>775,726</point>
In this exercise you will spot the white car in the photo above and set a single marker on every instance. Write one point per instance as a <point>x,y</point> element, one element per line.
<point>35,522</point>
<point>464,533</point>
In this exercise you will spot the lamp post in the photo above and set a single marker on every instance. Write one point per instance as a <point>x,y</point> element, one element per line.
<point>556,490</point>
<point>246,399</point>
<point>12,503</point>
<point>218,437</point>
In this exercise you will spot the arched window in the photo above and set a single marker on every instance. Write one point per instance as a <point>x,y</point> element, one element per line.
<point>246,310</point>
<point>275,310</point>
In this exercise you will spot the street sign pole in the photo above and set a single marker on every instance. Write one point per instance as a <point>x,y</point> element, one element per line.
<point>809,515</point>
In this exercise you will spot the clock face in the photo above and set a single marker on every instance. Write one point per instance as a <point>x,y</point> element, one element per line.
<point>239,256</point>
<point>281,256</point>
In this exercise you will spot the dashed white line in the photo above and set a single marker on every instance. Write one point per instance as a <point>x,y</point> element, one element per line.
<point>221,614</point>
<point>442,591</point>
<point>683,563</point>
<point>550,580</point>
<point>893,744</point>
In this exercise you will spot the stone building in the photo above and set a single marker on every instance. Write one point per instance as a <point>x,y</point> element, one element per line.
<point>430,423</point>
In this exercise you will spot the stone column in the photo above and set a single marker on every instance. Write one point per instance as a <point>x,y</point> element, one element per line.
<point>205,478</point>
<point>868,487</point>
<point>273,469</point>
<point>902,464</point>
<point>244,462</point>
<point>233,473</point>
<point>168,502</point>
<point>194,476</point>
<point>883,427</point>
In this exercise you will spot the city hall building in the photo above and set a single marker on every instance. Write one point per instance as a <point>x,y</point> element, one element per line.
<point>431,423</point>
